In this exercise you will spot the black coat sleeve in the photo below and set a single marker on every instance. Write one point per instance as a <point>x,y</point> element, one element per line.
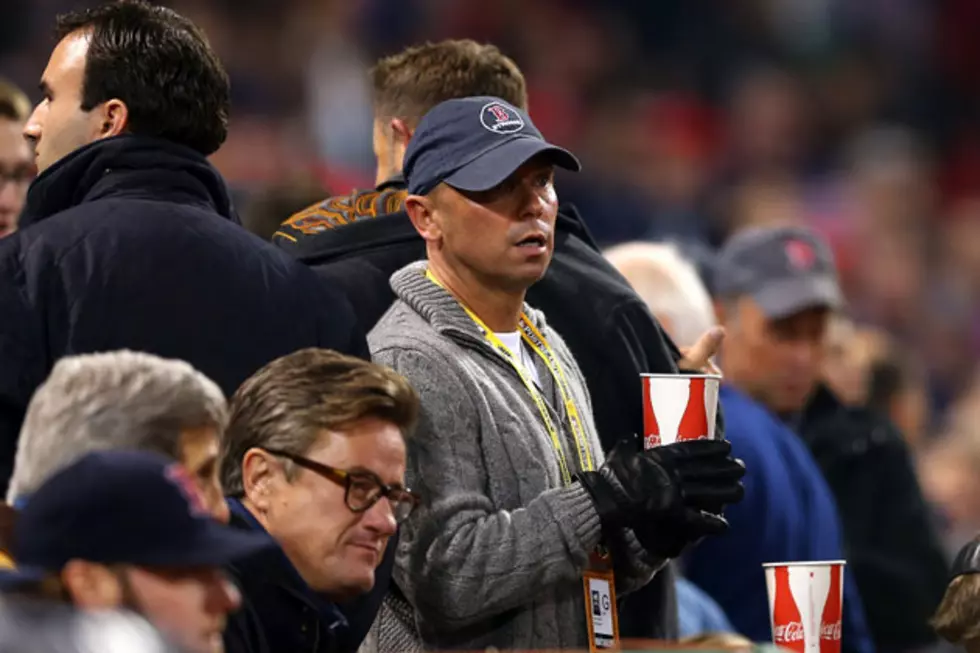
<point>337,325</point>
<point>358,343</point>
<point>243,633</point>
<point>22,365</point>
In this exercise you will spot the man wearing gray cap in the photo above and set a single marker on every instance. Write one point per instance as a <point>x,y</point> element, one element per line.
<point>778,287</point>
<point>776,290</point>
<point>520,509</point>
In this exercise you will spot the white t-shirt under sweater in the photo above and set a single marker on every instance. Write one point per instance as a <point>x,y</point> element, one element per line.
<point>516,346</point>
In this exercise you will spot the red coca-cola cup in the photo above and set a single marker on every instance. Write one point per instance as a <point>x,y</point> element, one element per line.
<point>805,605</point>
<point>679,407</point>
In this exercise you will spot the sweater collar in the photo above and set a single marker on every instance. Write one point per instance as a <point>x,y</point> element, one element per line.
<point>438,307</point>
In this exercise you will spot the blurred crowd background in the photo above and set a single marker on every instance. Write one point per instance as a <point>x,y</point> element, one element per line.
<point>693,118</point>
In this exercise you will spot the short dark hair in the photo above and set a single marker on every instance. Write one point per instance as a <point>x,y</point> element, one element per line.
<point>161,65</point>
<point>406,85</point>
<point>287,403</point>
<point>14,104</point>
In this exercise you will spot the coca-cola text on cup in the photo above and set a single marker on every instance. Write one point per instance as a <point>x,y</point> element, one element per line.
<point>806,605</point>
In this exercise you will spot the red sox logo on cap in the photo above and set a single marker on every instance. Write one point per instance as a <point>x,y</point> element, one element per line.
<point>800,254</point>
<point>500,118</point>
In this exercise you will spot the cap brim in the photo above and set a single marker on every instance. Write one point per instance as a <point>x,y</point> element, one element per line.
<point>791,296</point>
<point>494,166</point>
<point>214,546</point>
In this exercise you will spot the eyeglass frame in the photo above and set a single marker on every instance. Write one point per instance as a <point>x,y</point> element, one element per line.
<point>344,477</point>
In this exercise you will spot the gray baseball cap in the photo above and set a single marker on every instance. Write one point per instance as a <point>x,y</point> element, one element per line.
<point>784,269</point>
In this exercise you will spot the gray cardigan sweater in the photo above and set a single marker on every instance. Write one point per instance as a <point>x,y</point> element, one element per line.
<point>495,555</point>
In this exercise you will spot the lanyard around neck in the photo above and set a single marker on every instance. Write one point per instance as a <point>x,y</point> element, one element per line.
<point>536,341</point>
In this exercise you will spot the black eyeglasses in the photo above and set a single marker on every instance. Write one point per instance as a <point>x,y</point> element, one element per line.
<point>362,489</point>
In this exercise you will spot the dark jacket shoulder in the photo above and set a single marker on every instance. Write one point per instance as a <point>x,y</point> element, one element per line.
<point>133,242</point>
<point>279,611</point>
<point>892,543</point>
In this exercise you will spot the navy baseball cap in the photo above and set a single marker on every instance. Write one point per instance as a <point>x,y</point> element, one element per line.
<point>474,144</point>
<point>122,507</point>
<point>786,270</point>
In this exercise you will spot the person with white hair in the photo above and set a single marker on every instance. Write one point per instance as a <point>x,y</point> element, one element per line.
<point>122,400</point>
<point>670,286</point>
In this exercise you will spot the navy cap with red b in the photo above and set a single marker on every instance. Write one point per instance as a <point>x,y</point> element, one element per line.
<point>785,269</point>
<point>474,144</point>
<point>122,507</point>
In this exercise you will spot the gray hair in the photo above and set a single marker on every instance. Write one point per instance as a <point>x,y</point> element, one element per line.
<point>670,286</point>
<point>113,400</point>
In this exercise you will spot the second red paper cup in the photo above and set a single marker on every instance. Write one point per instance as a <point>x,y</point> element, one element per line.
<point>806,605</point>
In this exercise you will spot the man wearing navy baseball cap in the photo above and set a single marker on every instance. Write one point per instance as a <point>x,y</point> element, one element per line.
<point>355,242</point>
<point>128,529</point>
<point>448,148</point>
<point>507,452</point>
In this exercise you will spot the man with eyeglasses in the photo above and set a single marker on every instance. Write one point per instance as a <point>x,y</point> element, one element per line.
<point>314,454</point>
<point>16,159</point>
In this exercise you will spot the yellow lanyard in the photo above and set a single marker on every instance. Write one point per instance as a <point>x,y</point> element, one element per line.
<point>535,340</point>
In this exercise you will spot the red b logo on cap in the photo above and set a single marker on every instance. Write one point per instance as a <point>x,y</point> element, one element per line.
<point>498,112</point>
<point>500,119</point>
<point>800,254</point>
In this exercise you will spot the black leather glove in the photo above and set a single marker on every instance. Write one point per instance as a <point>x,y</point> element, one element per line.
<point>667,495</point>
